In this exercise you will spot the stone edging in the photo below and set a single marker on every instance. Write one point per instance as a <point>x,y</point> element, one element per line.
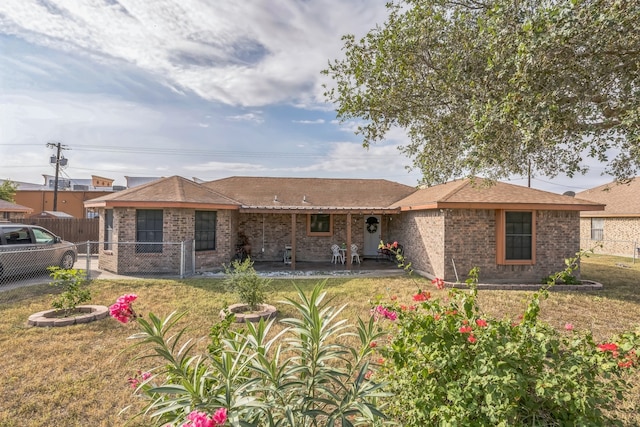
<point>85,314</point>
<point>587,285</point>
<point>266,312</point>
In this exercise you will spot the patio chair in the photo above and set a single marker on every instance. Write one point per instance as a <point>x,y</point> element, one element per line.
<point>354,254</point>
<point>337,254</point>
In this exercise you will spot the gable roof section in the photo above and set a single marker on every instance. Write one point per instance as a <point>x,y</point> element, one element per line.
<point>173,191</point>
<point>268,193</point>
<point>621,200</point>
<point>13,207</point>
<point>480,194</point>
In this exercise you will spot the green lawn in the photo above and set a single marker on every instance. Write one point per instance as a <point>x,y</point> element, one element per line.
<point>77,376</point>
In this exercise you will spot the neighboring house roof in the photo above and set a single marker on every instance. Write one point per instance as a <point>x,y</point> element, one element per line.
<point>311,193</point>
<point>174,191</point>
<point>13,207</point>
<point>621,200</point>
<point>483,194</point>
<point>53,214</point>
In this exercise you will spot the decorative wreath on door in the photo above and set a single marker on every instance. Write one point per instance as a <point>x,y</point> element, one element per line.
<point>372,224</point>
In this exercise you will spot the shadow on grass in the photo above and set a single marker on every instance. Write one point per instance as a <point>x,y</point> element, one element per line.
<point>619,276</point>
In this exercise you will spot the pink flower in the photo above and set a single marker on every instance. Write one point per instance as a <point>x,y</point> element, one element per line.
<point>368,375</point>
<point>568,326</point>
<point>384,312</point>
<point>471,339</point>
<point>128,298</point>
<point>465,330</point>
<point>201,419</point>
<point>219,417</point>
<point>481,323</point>
<point>122,310</point>
<point>146,376</point>
<point>133,382</point>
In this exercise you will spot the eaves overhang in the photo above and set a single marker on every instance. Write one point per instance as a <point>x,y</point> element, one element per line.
<point>513,206</point>
<point>359,210</point>
<point>157,205</point>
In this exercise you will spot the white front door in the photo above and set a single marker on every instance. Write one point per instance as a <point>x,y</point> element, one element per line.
<point>372,235</point>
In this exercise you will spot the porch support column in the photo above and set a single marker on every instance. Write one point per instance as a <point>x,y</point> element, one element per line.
<point>349,240</point>
<point>293,241</point>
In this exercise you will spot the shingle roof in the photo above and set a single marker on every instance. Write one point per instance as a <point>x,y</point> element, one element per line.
<point>13,207</point>
<point>479,193</point>
<point>620,199</point>
<point>171,191</point>
<point>268,193</point>
<point>310,193</point>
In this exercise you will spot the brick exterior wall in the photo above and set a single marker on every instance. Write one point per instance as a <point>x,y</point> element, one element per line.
<point>434,241</point>
<point>178,227</point>
<point>268,234</point>
<point>621,236</point>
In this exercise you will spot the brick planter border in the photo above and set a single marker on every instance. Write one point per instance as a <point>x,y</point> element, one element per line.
<point>82,314</point>
<point>587,285</point>
<point>265,312</point>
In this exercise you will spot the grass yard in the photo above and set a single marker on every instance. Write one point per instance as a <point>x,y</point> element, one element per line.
<point>77,376</point>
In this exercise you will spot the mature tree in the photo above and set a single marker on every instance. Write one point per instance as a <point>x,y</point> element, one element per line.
<point>8,190</point>
<point>490,86</point>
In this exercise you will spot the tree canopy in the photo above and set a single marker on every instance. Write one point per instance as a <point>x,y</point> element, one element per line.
<point>8,191</point>
<point>492,87</point>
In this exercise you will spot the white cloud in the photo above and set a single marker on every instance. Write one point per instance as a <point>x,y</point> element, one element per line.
<point>309,122</point>
<point>248,117</point>
<point>240,53</point>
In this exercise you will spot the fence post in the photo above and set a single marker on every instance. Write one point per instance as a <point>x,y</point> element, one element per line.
<point>182,260</point>
<point>193,256</point>
<point>88,264</point>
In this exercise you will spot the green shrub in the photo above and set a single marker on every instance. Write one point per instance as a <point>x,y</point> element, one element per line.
<point>302,376</point>
<point>245,281</point>
<point>449,364</point>
<point>74,282</point>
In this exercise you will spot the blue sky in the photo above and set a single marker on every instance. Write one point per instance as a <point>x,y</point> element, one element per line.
<point>196,88</point>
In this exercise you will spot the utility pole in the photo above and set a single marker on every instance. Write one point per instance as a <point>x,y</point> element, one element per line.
<point>57,160</point>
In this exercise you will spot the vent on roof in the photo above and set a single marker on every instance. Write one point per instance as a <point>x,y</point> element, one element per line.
<point>569,193</point>
<point>119,187</point>
<point>275,198</point>
<point>79,187</point>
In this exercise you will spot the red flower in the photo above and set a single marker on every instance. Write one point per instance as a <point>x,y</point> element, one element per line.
<point>568,326</point>
<point>625,364</point>
<point>465,330</point>
<point>608,346</point>
<point>481,322</point>
<point>373,344</point>
<point>436,316</point>
<point>471,339</point>
<point>422,296</point>
<point>439,283</point>
<point>394,297</point>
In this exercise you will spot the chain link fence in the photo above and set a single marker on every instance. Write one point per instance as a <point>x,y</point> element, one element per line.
<point>21,267</point>
<point>623,248</point>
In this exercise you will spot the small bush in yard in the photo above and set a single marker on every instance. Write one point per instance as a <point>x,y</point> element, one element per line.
<point>300,377</point>
<point>74,282</point>
<point>245,281</point>
<point>448,364</point>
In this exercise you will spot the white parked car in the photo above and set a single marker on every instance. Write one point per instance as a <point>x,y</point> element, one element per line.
<point>28,248</point>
